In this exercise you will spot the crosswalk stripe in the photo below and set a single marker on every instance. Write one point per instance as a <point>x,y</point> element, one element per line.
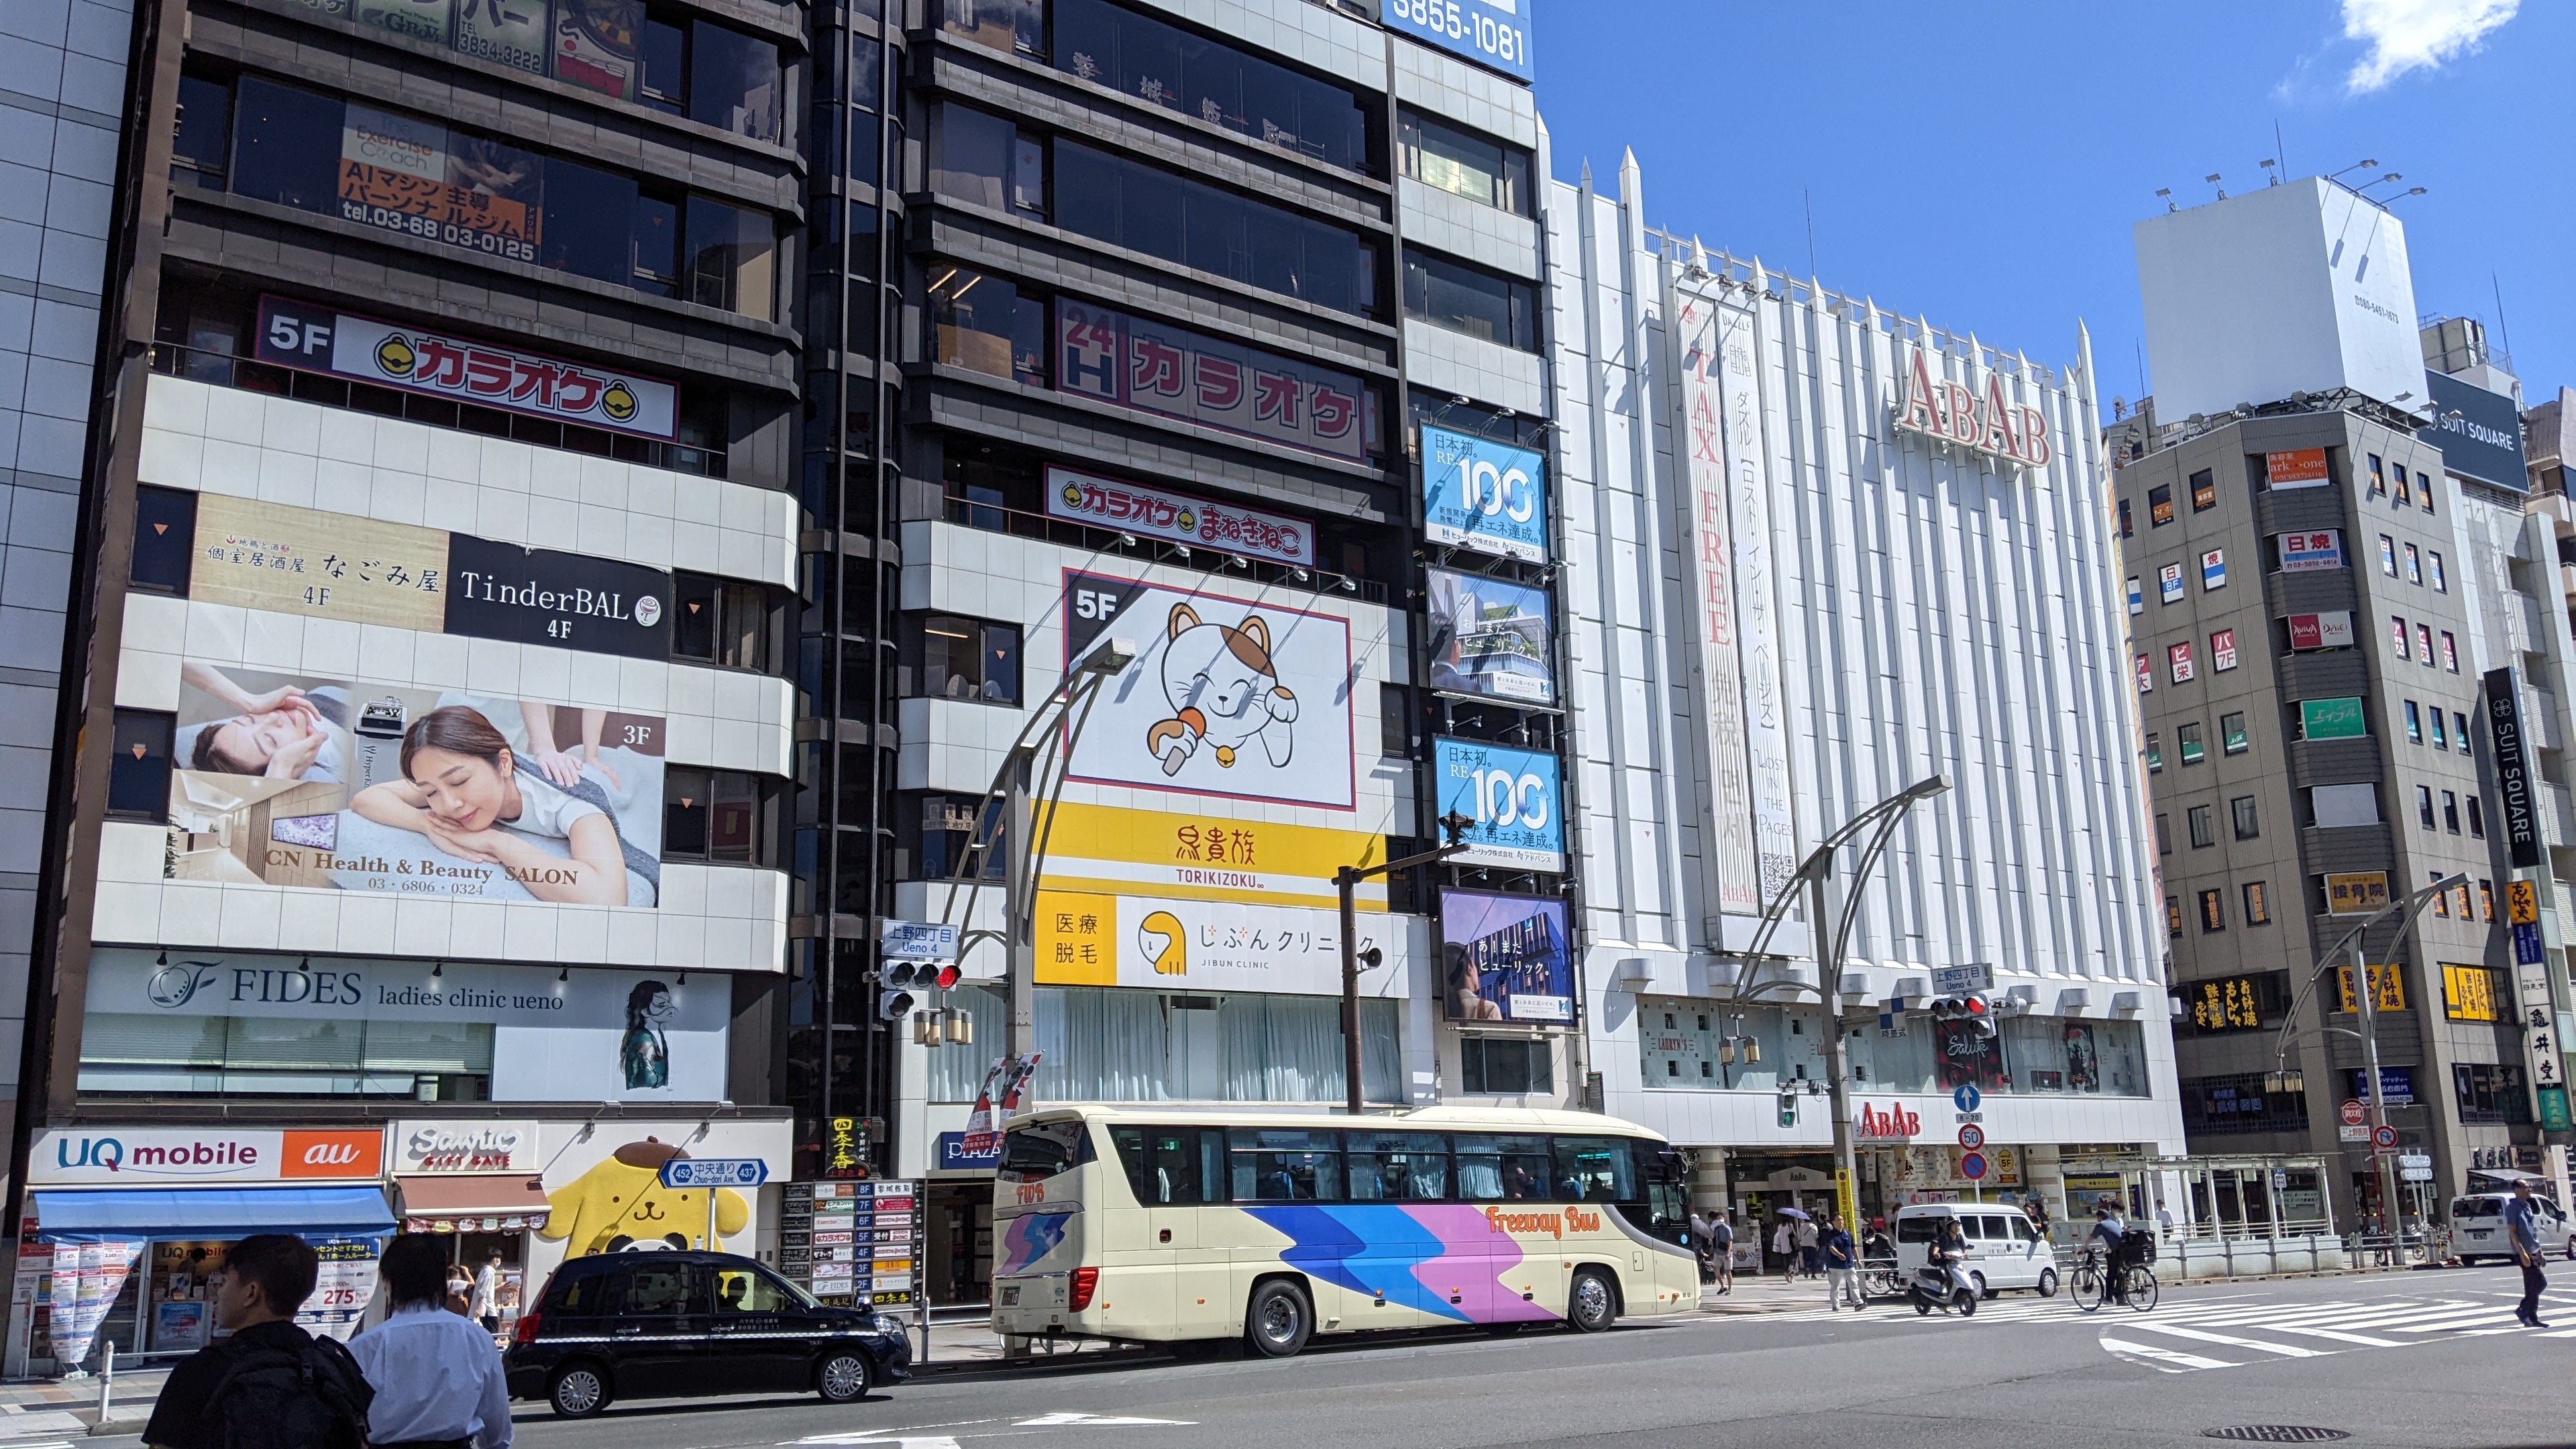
<point>2176,1330</point>
<point>2456,1322</point>
<point>2163,1355</point>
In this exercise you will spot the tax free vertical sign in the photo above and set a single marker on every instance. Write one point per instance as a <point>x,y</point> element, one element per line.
<point>1492,33</point>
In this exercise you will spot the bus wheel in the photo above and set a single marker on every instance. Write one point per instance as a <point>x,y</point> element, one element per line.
<point>1279,1319</point>
<point>1590,1305</point>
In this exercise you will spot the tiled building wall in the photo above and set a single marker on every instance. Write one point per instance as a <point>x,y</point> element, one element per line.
<point>62,92</point>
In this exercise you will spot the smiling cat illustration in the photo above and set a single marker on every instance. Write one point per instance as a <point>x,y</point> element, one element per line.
<point>1224,693</point>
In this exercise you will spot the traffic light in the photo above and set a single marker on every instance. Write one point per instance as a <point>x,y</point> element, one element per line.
<point>1788,1108</point>
<point>1972,1008</point>
<point>900,979</point>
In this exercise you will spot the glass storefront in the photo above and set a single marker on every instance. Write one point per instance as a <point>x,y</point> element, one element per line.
<point>1107,1044</point>
<point>1697,1044</point>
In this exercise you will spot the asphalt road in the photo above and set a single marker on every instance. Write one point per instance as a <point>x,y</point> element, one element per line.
<point>2412,1359</point>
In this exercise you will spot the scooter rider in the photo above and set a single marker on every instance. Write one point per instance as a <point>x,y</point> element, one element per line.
<point>1948,1252</point>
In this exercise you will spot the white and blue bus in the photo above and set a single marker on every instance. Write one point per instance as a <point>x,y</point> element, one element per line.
<point>1169,1226</point>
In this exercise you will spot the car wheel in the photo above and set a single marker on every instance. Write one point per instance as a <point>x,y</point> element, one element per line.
<point>843,1378</point>
<point>2048,1282</point>
<point>1590,1305</point>
<point>2571,1248</point>
<point>1982,1290</point>
<point>578,1391</point>
<point>1279,1320</point>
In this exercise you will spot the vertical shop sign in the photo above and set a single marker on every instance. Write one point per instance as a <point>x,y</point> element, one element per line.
<point>2512,768</point>
<point>1712,564</point>
<point>1766,734</point>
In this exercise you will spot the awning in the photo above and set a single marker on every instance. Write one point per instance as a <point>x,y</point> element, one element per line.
<point>482,1202</point>
<point>212,1212</point>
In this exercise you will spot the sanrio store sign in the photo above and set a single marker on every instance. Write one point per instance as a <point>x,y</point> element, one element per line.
<point>436,1147</point>
<point>1987,422</point>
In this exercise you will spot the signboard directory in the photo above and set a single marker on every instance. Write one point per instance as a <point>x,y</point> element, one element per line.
<point>851,1243</point>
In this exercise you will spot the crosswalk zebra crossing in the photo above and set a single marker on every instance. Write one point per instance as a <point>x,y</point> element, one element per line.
<point>2232,1330</point>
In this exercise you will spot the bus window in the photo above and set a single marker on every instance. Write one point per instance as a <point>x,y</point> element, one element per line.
<point>1271,1164</point>
<point>1497,1168</point>
<point>1162,1163</point>
<point>1399,1167</point>
<point>1595,1169</point>
<point>1036,1153</point>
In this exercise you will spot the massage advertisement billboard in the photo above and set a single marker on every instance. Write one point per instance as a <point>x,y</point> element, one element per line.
<point>329,784</point>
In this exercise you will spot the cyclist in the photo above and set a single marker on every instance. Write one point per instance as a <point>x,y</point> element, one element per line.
<point>2110,1231</point>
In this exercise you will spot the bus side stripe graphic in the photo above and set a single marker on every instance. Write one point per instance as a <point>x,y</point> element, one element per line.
<point>1029,1238</point>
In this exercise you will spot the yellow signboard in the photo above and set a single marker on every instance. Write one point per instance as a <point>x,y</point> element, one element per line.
<point>2386,986</point>
<point>1113,850</point>
<point>257,555</point>
<point>2522,900</point>
<point>1171,944</point>
<point>2469,993</point>
<point>2357,894</point>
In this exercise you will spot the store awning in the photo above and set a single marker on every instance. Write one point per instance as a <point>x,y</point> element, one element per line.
<point>212,1212</point>
<point>482,1202</point>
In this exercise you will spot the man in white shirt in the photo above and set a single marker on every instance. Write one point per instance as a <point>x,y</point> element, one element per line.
<point>486,1308</point>
<point>438,1380</point>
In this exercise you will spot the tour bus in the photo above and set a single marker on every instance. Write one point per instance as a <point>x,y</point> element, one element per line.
<point>1196,1226</point>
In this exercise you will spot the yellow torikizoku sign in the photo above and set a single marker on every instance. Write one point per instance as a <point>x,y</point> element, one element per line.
<point>1112,850</point>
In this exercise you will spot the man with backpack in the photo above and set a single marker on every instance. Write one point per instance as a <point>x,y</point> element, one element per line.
<point>271,1384</point>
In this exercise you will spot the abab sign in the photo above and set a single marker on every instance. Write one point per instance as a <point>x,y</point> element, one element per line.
<point>1489,32</point>
<point>1987,422</point>
<point>1512,796</point>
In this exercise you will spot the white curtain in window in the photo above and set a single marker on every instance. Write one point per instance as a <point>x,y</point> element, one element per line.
<point>957,1072</point>
<point>1116,1046</point>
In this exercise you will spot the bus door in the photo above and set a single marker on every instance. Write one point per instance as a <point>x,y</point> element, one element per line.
<point>1161,1248</point>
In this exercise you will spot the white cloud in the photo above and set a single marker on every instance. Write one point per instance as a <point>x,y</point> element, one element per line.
<point>2409,35</point>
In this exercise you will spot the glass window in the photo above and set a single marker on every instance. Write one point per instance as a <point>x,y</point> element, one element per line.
<point>2451,812</point>
<point>657,244</point>
<point>165,535</point>
<point>665,80</point>
<point>2160,509</point>
<point>2424,645</point>
<point>201,141</point>
<point>1462,298</point>
<point>731,258</point>
<point>1124,203</point>
<point>2441,735</point>
<point>2424,491</point>
<point>656,1289</point>
<point>719,622</point>
<point>2203,832</point>
<point>1506,1066</point>
<point>2128,524</point>
<point>2164,835</point>
<point>2433,566</point>
<point>2258,904</point>
<point>2155,753</point>
<point>950,657</point>
<point>971,159</point>
<point>2414,565</point>
<point>1163,65</point>
<point>2388,555</point>
<point>2173,916</point>
<point>1465,164</point>
<point>2242,809</point>
<point>287,147</point>
<point>867,73</point>
<point>2460,730</point>
<point>1167,1164</point>
<point>138,775</point>
<point>2232,738</point>
<point>1399,1166</point>
<point>589,224</point>
<point>1037,1151</point>
<point>984,324</point>
<point>274,1057</point>
<point>2486,900</point>
<point>1267,1164</point>
<point>599,45</point>
<point>2378,484</point>
<point>1003,25</point>
<point>2187,736</point>
<point>2404,496</point>
<point>2424,805</point>
<point>1497,1168</point>
<point>2450,652</point>
<point>719,815</point>
<point>2414,724</point>
<point>1596,1169</point>
<point>2213,911</point>
<point>2399,640</point>
<point>750,1290</point>
<point>2477,817</point>
<point>735,83</point>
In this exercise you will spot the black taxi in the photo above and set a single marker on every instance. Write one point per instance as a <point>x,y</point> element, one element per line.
<point>659,1324</point>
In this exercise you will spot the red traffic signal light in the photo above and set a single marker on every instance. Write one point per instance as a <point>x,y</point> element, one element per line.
<point>1973,1006</point>
<point>947,976</point>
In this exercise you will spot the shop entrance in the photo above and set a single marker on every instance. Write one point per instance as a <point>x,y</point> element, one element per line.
<point>957,1259</point>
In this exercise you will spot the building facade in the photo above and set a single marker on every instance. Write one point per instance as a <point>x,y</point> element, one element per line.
<point>1815,553</point>
<point>426,861</point>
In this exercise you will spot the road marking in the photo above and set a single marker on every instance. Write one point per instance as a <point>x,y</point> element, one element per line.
<point>1092,1421</point>
<point>936,1441</point>
<point>2286,1350</point>
<point>2158,1357</point>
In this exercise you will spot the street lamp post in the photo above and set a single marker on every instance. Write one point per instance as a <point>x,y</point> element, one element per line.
<point>2366,994</point>
<point>1827,945</point>
<point>1346,882</point>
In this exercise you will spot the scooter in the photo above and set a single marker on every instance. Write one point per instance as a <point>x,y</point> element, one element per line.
<point>1934,1286</point>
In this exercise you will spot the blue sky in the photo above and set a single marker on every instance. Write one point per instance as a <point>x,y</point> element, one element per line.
<point>1981,163</point>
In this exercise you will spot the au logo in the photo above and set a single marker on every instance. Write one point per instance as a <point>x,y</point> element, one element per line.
<point>1164,943</point>
<point>394,356</point>
<point>618,404</point>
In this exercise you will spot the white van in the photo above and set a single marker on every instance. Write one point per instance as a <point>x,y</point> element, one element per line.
<point>2478,1230</point>
<point>2004,1249</point>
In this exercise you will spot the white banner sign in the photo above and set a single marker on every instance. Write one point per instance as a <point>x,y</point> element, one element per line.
<point>1177,517</point>
<point>1712,560</point>
<point>1766,734</point>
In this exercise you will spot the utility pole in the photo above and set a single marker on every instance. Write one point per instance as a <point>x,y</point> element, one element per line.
<point>1346,882</point>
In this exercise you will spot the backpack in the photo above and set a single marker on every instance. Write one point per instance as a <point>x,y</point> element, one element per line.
<point>313,1397</point>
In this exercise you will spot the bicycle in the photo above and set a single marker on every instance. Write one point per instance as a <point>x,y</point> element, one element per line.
<point>1881,1278</point>
<point>2091,1287</point>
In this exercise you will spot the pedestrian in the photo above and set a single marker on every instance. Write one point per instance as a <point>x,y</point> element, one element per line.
<point>2522,1226</point>
<point>1721,1232</point>
<point>460,1291</point>
<point>486,1307</point>
<point>270,1383</point>
<point>2164,1221</point>
<point>1703,1245</point>
<point>1784,1245</point>
<point>2038,1213</point>
<point>1810,1255</point>
<point>437,1379</point>
<point>1842,1270</point>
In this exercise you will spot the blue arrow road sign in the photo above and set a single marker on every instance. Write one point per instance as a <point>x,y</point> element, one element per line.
<point>1967,1096</point>
<point>714,1172</point>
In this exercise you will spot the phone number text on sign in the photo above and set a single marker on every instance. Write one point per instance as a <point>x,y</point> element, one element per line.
<point>1489,31</point>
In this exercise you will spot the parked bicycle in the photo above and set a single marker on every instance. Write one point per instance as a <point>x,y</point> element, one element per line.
<point>2094,1283</point>
<point>1881,1278</point>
